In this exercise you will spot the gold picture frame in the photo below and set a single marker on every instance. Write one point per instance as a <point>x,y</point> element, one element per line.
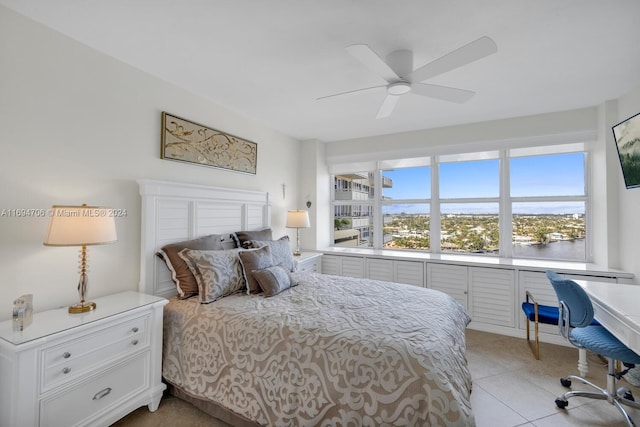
<point>190,142</point>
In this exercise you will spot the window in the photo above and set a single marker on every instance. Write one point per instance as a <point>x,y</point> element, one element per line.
<point>549,206</point>
<point>469,201</point>
<point>405,207</point>
<point>529,202</point>
<point>469,227</point>
<point>406,226</point>
<point>470,179</point>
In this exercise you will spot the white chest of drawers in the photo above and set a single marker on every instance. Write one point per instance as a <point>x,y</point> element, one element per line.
<point>309,261</point>
<point>86,369</point>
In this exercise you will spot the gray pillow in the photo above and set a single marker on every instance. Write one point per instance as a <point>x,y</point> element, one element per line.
<point>181,274</point>
<point>254,259</point>
<point>280,251</point>
<point>273,280</point>
<point>241,237</point>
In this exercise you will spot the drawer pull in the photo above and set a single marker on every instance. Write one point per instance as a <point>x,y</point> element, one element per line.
<point>66,370</point>
<point>134,342</point>
<point>102,393</point>
<point>134,329</point>
<point>66,355</point>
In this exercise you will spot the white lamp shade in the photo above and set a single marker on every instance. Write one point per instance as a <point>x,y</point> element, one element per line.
<point>298,219</point>
<point>80,226</point>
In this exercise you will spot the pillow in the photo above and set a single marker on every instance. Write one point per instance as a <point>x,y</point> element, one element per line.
<point>218,273</point>
<point>254,259</point>
<point>273,280</point>
<point>280,251</point>
<point>240,237</point>
<point>181,274</point>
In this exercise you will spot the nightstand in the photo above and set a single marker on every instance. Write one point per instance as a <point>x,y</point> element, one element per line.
<point>83,369</point>
<point>309,261</point>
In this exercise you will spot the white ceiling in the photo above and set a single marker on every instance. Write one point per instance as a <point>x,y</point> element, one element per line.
<point>269,60</point>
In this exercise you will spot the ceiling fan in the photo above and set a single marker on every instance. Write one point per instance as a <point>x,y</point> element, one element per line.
<point>401,78</point>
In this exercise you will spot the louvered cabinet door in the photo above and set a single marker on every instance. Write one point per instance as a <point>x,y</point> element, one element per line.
<point>331,265</point>
<point>450,279</point>
<point>397,271</point>
<point>492,296</point>
<point>380,269</point>
<point>409,272</point>
<point>352,267</point>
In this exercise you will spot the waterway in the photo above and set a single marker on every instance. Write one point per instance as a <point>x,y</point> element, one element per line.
<point>565,250</point>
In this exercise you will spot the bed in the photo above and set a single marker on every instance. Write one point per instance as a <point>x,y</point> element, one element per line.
<point>319,351</point>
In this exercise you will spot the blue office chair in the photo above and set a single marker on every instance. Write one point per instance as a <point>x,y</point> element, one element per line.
<point>537,313</point>
<point>576,315</point>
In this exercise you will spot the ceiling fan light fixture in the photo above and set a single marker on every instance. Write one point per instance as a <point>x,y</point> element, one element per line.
<point>401,78</point>
<point>399,88</point>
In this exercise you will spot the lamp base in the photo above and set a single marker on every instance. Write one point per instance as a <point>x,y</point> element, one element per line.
<point>82,307</point>
<point>296,253</point>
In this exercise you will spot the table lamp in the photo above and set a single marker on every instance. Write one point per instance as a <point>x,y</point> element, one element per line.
<point>81,226</point>
<point>297,219</point>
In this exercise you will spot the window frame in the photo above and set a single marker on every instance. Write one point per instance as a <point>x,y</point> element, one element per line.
<point>504,199</point>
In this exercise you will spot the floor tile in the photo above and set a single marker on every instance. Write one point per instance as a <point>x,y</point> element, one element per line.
<point>491,412</point>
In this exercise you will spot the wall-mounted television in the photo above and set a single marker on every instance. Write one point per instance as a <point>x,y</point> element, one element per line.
<point>627,136</point>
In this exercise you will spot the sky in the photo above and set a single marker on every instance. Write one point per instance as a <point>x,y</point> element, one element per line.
<point>548,175</point>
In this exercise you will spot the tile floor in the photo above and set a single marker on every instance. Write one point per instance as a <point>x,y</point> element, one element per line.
<point>510,388</point>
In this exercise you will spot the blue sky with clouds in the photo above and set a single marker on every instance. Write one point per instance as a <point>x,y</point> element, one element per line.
<point>549,175</point>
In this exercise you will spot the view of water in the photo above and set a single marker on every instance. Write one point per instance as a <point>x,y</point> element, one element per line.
<point>573,250</point>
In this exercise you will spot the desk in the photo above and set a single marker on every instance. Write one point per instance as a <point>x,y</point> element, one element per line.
<point>617,308</point>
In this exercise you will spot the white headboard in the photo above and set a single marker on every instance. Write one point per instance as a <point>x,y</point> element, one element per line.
<point>172,212</point>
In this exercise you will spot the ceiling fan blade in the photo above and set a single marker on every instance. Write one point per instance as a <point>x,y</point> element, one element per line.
<point>442,92</point>
<point>387,106</point>
<point>350,92</point>
<point>371,60</point>
<point>477,49</point>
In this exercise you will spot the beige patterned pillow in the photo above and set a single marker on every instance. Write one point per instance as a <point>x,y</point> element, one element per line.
<point>280,251</point>
<point>273,280</point>
<point>254,259</point>
<point>186,283</point>
<point>218,273</point>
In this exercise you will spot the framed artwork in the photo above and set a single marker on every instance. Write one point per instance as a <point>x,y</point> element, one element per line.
<point>627,136</point>
<point>186,141</point>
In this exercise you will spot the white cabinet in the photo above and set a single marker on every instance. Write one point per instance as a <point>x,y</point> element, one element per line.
<point>83,369</point>
<point>409,272</point>
<point>450,279</point>
<point>343,265</point>
<point>492,296</point>
<point>380,269</point>
<point>398,271</point>
<point>309,261</point>
<point>488,294</point>
<point>331,264</point>
<point>491,291</point>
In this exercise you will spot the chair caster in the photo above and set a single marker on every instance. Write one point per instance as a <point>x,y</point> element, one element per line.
<point>565,382</point>
<point>561,403</point>
<point>625,393</point>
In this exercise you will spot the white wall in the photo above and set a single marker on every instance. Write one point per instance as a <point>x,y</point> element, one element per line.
<point>480,134</point>
<point>629,200</point>
<point>314,187</point>
<point>77,126</point>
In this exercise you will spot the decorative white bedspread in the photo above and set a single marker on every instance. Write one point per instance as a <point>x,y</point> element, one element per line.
<point>332,351</point>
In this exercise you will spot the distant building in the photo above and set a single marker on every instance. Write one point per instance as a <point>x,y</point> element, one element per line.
<point>354,223</point>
